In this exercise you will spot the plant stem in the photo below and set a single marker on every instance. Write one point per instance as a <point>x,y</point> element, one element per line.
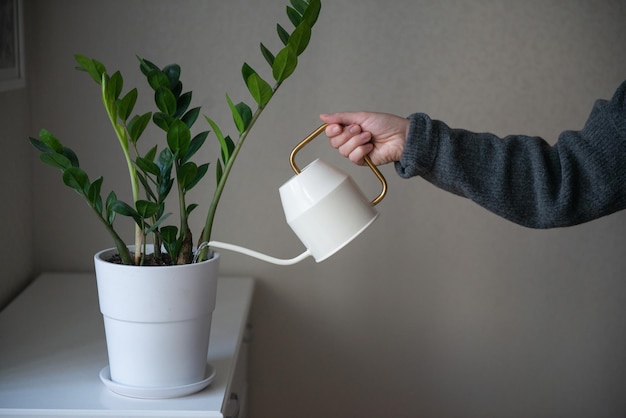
<point>185,253</point>
<point>120,245</point>
<point>122,136</point>
<point>208,226</point>
<point>132,170</point>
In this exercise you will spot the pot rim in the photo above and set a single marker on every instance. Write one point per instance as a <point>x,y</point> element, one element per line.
<point>98,258</point>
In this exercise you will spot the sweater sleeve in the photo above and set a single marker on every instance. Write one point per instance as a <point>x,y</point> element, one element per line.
<point>522,178</point>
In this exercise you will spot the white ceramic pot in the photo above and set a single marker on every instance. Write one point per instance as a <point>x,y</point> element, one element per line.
<point>157,321</point>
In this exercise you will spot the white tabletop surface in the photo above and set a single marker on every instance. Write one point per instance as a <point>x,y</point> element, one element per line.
<point>52,348</point>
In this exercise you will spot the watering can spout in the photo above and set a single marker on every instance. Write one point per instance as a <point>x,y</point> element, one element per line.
<point>258,255</point>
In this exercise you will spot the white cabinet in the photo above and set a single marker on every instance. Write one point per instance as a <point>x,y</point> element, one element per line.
<point>52,348</point>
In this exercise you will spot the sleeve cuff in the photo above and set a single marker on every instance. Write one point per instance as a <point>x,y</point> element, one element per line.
<point>420,148</point>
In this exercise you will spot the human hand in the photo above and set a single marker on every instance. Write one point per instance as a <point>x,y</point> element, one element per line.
<point>357,134</point>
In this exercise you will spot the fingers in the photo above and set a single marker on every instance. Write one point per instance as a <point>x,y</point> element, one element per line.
<point>339,134</point>
<point>333,130</point>
<point>355,134</point>
<point>351,143</point>
<point>347,136</point>
<point>337,122</point>
<point>357,155</point>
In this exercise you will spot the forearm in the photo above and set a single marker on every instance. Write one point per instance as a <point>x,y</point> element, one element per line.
<point>522,178</point>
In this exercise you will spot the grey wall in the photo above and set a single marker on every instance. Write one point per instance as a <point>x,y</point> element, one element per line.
<point>16,183</point>
<point>15,187</point>
<point>440,309</point>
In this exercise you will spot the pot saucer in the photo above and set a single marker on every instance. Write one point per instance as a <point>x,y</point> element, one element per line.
<point>156,392</point>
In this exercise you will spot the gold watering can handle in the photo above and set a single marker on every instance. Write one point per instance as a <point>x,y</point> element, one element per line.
<point>367,160</point>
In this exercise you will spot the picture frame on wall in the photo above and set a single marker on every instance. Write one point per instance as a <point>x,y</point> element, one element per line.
<point>11,45</point>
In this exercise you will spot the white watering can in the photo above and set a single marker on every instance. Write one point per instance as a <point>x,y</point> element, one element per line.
<point>323,206</point>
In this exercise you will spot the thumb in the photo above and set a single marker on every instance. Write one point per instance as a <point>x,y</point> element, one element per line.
<point>342,118</point>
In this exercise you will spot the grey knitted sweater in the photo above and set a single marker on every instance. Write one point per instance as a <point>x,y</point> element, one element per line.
<point>522,178</point>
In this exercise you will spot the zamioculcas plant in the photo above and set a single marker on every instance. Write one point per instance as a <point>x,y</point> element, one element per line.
<point>153,174</point>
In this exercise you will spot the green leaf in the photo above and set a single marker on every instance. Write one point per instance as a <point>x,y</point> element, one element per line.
<point>312,12</point>
<point>158,223</point>
<point>151,153</point>
<point>299,5</point>
<point>260,89</point>
<point>93,194</point>
<point>190,117</point>
<point>245,112</point>
<point>202,170</point>
<point>70,155</point>
<point>165,187</point>
<point>190,208</point>
<point>125,209</point>
<point>218,134</point>
<point>145,182</point>
<point>53,152</point>
<point>187,173</point>
<point>137,125</point>
<point>219,171</point>
<point>94,68</point>
<point>148,166</point>
<point>172,72</point>
<point>267,54</point>
<point>294,16</point>
<point>146,209</point>
<point>146,66</point>
<point>195,145</point>
<point>246,71</point>
<point>39,145</point>
<point>116,84</point>
<point>285,64</point>
<point>162,120</point>
<point>108,95</point>
<point>300,37</point>
<point>110,215</point>
<point>165,101</point>
<point>165,162</point>
<point>126,104</point>
<point>109,90</point>
<point>178,138</point>
<point>56,160</point>
<point>177,89</point>
<point>157,79</point>
<point>51,141</point>
<point>168,233</point>
<point>282,34</point>
<point>182,104</point>
<point>77,179</point>
<point>227,149</point>
<point>236,116</point>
